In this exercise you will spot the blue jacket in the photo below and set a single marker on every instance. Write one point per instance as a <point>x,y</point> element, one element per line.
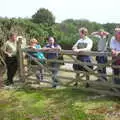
<point>38,55</point>
<point>51,55</point>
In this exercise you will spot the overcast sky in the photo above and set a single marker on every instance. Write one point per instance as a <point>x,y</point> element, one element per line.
<point>102,11</point>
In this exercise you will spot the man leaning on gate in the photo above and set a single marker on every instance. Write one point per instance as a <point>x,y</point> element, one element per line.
<point>102,47</point>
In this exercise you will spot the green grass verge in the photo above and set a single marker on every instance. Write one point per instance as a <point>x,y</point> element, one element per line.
<point>54,104</point>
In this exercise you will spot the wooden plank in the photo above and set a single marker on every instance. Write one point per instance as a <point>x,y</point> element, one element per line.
<point>43,81</point>
<point>83,72</point>
<point>103,92</point>
<point>100,65</point>
<point>102,84</point>
<point>70,80</point>
<point>83,65</point>
<point>71,52</point>
<point>20,61</point>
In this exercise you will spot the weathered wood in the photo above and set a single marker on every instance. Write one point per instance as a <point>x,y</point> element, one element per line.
<point>83,72</point>
<point>81,53</point>
<point>36,60</point>
<point>71,52</point>
<point>20,61</point>
<point>102,86</point>
<point>2,69</point>
<point>43,81</point>
<point>103,92</point>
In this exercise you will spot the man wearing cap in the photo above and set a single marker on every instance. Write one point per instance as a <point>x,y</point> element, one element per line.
<point>101,47</point>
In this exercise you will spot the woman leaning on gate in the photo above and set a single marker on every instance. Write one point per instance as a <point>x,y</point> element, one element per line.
<point>10,50</point>
<point>53,53</point>
<point>38,56</point>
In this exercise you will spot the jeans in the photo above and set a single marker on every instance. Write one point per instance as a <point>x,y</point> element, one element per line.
<point>82,58</point>
<point>54,71</point>
<point>116,72</point>
<point>102,70</point>
<point>11,63</point>
<point>39,74</point>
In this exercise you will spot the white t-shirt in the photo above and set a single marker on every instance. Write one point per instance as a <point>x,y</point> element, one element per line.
<point>114,44</point>
<point>84,44</point>
<point>10,47</point>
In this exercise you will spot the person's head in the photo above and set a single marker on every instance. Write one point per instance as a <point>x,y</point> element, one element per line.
<point>51,40</point>
<point>83,32</point>
<point>117,36</point>
<point>33,41</point>
<point>101,32</point>
<point>20,38</point>
<point>13,37</point>
<point>117,29</point>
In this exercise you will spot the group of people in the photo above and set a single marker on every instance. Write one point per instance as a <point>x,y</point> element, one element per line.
<point>11,60</point>
<point>83,44</point>
<point>86,44</point>
<point>53,50</point>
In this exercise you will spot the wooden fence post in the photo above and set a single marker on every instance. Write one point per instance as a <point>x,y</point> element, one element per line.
<point>20,61</point>
<point>2,67</point>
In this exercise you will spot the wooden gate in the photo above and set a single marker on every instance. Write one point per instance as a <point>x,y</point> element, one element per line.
<point>67,76</point>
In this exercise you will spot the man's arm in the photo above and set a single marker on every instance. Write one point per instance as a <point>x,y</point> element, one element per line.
<point>4,48</point>
<point>58,48</point>
<point>95,33</point>
<point>74,48</point>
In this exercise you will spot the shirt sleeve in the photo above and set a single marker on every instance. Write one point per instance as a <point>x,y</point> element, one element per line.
<point>4,48</point>
<point>112,44</point>
<point>58,46</point>
<point>75,45</point>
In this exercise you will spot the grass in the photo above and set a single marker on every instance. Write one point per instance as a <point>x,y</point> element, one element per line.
<point>55,104</point>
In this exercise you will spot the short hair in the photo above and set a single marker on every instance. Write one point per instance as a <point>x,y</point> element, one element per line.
<point>33,40</point>
<point>11,34</point>
<point>51,37</point>
<point>83,30</point>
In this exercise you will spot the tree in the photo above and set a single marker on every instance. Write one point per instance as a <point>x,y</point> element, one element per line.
<point>43,16</point>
